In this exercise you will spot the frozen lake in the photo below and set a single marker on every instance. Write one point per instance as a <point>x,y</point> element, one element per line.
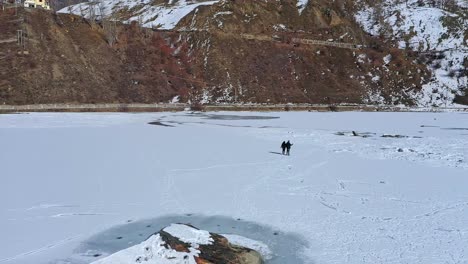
<point>77,187</point>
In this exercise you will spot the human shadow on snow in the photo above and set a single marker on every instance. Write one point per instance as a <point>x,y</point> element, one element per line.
<point>277,153</point>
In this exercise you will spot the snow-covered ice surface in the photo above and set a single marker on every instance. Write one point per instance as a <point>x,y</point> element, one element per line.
<point>79,187</point>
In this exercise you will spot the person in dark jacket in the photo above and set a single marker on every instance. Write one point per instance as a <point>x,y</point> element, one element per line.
<point>288,147</point>
<point>283,147</point>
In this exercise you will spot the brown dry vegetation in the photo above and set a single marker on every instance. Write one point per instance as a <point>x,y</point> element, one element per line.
<point>69,60</point>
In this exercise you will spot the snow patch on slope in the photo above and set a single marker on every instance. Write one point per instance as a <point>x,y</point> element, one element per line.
<point>427,30</point>
<point>162,16</point>
<point>301,5</point>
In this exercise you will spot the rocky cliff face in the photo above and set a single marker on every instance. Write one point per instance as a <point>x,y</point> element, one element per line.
<point>217,52</point>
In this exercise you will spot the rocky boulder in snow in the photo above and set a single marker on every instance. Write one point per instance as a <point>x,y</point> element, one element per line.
<point>180,243</point>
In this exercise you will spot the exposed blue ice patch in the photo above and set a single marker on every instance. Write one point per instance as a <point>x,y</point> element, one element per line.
<point>286,247</point>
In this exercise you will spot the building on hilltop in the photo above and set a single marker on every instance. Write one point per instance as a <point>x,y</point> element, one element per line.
<point>37,4</point>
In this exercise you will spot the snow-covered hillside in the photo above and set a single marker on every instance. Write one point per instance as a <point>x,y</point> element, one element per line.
<point>154,14</point>
<point>439,34</point>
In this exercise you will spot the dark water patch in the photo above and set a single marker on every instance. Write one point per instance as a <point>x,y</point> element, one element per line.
<point>225,125</point>
<point>231,117</point>
<point>239,117</point>
<point>214,124</point>
<point>286,247</point>
<point>158,123</point>
<point>455,128</point>
<point>186,122</point>
<point>365,134</point>
<point>394,136</point>
<point>355,134</point>
<point>13,113</point>
<point>175,122</point>
<point>371,134</point>
<point>398,136</point>
<point>205,123</point>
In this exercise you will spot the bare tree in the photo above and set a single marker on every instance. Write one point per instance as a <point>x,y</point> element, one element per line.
<point>449,5</point>
<point>140,21</point>
<point>70,8</point>
<point>102,10</point>
<point>109,25</point>
<point>82,11</point>
<point>54,5</point>
<point>92,12</point>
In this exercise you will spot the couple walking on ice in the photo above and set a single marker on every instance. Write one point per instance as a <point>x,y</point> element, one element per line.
<point>286,147</point>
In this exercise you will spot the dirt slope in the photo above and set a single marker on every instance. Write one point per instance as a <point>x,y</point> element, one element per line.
<point>207,59</point>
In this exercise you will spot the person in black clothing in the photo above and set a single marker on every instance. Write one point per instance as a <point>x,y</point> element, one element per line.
<point>283,147</point>
<point>288,147</point>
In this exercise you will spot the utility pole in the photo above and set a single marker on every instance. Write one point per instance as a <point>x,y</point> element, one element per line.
<point>446,97</point>
<point>235,94</point>
<point>19,37</point>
